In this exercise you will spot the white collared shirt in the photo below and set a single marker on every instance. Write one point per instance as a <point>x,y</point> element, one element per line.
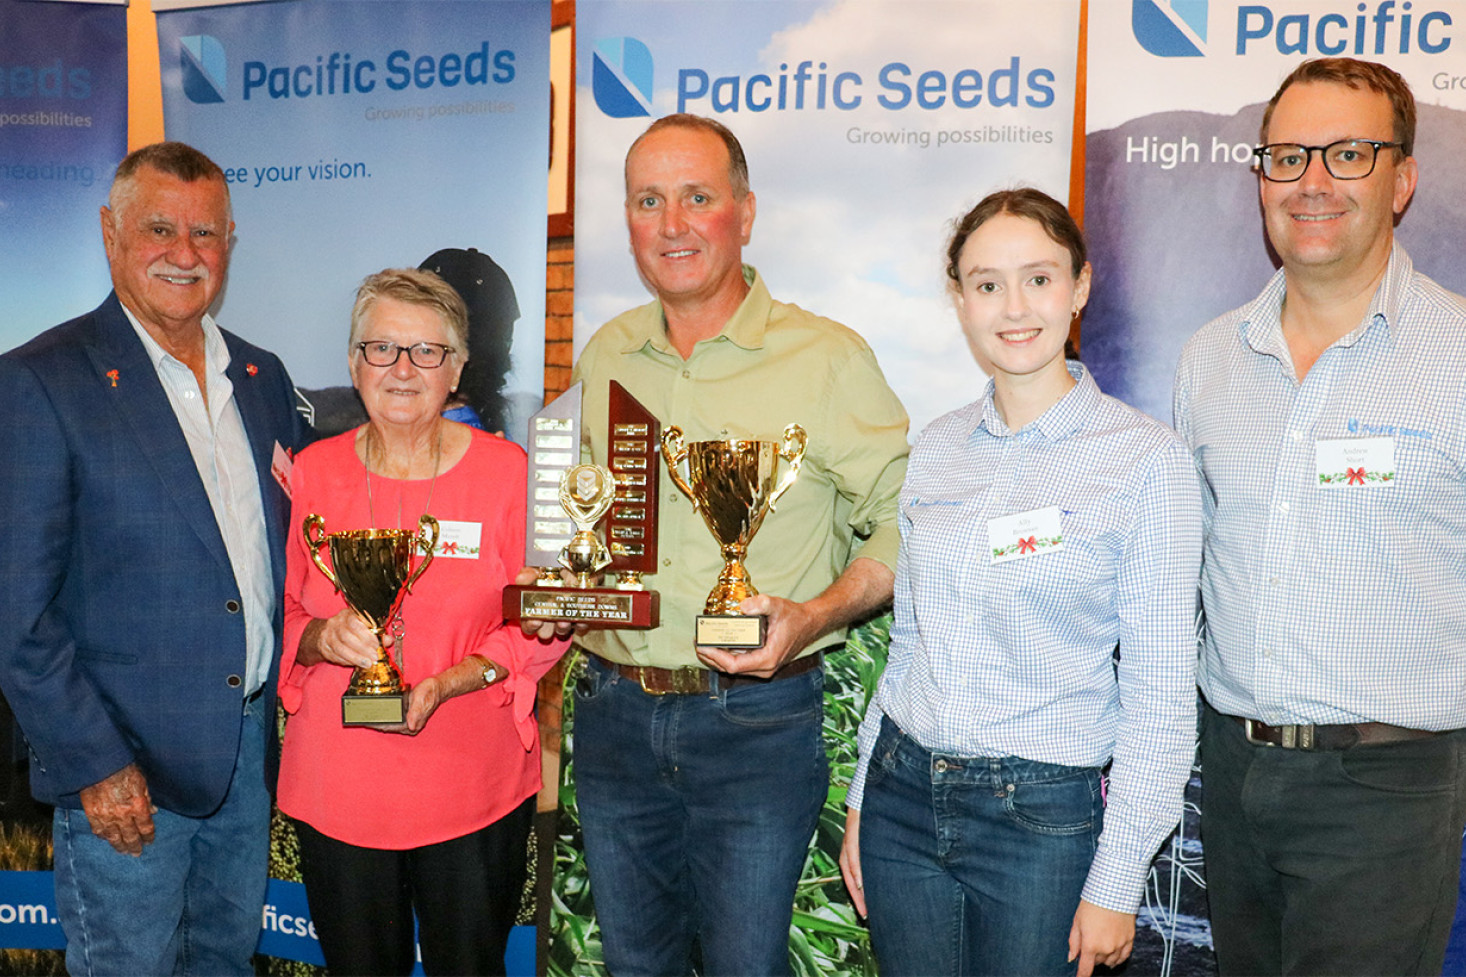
<point>225,462</point>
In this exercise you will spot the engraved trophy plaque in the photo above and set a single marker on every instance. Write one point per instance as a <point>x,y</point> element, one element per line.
<point>733,484</point>
<point>373,573</point>
<point>566,502</point>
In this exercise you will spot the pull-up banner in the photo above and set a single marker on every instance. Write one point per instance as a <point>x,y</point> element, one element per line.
<point>868,125</point>
<point>362,135</point>
<point>63,129</point>
<point>1176,95</point>
<point>1175,98</point>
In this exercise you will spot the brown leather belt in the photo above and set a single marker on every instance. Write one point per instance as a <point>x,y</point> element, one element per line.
<point>698,681</point>
<point>1311,736</point>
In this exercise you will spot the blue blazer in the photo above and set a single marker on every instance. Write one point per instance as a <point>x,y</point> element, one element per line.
<point>121,635</point>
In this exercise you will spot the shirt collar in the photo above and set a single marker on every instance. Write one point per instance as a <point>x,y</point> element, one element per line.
<point>1059,421</point>
<point>1261,327</point>
<point>216,351</point>
<point>744,329</point>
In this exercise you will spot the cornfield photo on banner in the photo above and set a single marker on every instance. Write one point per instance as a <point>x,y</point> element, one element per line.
<point>826,937</point>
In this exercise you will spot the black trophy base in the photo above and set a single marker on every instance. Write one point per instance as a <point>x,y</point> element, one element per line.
<point>740,631</point>
<point>387,709</point>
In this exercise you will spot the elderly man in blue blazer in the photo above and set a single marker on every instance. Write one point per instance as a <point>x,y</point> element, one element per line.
<point>141,566</point>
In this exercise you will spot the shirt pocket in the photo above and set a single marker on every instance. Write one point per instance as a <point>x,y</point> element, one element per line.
<point>944,545</point>
<point>1082,571</point>
<point>1427,484</point>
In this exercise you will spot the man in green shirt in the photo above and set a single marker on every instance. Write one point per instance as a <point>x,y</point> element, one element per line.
<point>701,772</point>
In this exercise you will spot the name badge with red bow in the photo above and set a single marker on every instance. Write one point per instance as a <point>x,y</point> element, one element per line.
<point>1025,534</point>
<point>458,540</point>
<point>1344,463</point>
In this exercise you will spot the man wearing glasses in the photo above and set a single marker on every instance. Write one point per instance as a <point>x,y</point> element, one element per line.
<point>1325,419</point>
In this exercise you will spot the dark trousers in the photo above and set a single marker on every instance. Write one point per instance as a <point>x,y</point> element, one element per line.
<point>465,892</point>
<point>1331,862</point>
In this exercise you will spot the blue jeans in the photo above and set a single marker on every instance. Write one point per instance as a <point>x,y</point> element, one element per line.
<point>697,812</point>
<point>973,865</point>
<point>190,904</point>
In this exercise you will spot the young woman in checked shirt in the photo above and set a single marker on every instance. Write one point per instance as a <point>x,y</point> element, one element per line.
<point>1045,600</point>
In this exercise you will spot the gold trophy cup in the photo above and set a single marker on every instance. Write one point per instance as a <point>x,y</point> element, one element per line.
<point>734,484</point>
<point>374,572</point>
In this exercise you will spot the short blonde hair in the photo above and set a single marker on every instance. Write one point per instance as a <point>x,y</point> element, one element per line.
<point>415,287</point>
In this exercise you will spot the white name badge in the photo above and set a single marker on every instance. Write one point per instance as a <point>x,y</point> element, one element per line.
<point>1025,534</point>
<point>458,540</point>
<point>1355,463</point>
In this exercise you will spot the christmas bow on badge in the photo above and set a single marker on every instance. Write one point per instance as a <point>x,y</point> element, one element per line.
<point>1346,463</point>
<point>459,540</point>
<point>1025,534</point>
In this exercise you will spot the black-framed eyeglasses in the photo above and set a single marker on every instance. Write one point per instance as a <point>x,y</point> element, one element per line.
<point>1347,159</point>
<point>426,356</point>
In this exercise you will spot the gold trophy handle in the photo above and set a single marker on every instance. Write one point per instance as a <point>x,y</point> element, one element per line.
<point>792,451</point>
<point>428,544</point>
<point>314,529</point>
<point>674,450</point>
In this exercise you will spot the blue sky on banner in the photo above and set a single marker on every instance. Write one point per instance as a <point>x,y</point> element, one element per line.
<point>359,136</point>
<point>1175,97</point>
<point>63,128</point>
<point>868,125</point>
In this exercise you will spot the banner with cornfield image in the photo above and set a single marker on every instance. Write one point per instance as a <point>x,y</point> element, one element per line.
<point>868,125</point>
<point>826,938</point>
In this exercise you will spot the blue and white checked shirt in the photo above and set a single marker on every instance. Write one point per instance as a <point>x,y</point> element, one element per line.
<point>1333,605</point>
<point>1016,659</point>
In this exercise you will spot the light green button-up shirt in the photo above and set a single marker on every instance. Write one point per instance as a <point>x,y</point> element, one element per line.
<point>773,364</point>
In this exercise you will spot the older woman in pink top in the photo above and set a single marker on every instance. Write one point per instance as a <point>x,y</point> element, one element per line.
<point>431,816</point>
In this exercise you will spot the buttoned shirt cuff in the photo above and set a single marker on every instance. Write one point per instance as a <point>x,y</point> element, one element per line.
<point>855,796</point>
<point>865,740</point>
<point>1116,880</point>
